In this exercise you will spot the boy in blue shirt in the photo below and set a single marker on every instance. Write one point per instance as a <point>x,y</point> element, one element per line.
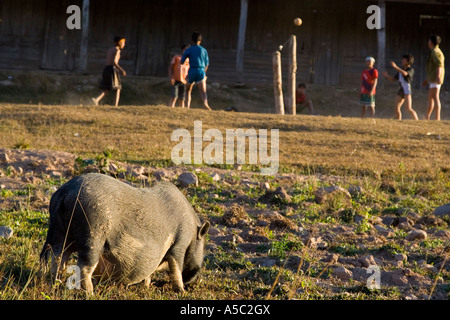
<point>198,65</point>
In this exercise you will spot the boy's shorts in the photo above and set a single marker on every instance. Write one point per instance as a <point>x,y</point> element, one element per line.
<point>367,100</point>
<point>178,90</point>
<point>434,85</point>
<point>402,92</point>
<point>195,75</point>
<point>110,79</point>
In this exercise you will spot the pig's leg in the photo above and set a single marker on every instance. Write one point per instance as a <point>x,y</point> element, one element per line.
<point>147,282</point>
<point>87,262</point>
<point>164,266</point>
<point>59,262</point>
<point>55,266</point>
<point>175,269</point>
<point>86,278</point>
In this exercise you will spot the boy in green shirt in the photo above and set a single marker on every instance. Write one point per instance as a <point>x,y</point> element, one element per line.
<point>435,76</point>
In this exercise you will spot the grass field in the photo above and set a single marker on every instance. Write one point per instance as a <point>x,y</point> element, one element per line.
<point>402,166</point>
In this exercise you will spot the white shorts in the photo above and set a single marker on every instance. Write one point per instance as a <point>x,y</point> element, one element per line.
<point>435,85</point>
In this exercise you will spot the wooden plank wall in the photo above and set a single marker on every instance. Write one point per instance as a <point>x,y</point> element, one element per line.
<point>21,33</point>
<point>332,42</point>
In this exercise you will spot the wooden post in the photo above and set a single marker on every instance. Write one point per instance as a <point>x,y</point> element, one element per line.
<point>241,42</point>
<point>84,36</point>
<point>277,83</point>
<point>381,38</point>
<point>291,107</point>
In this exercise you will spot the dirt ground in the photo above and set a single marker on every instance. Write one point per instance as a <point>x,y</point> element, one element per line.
<point>44,87</point>
<point>289,226</point>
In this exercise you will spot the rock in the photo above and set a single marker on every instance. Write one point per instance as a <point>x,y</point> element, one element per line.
<point>159,175</point>
<point>231,238</point>
<point>248,247</point>
<point>442,210</point>
<point>430,268</point>
<point>235,216</point>
<point>400,257</point>
<point>388,221</point>
<point>188,178</point>
<point>411,296</point>
<point>276,221</point>
<point>251,236</point>
<point>293,263</point>
<point>419,226</point>
<point>361,274</point>
<point>394,278</point>
<point>404,226</point>
<point>397,264</point>
<point>442,234</point>
<point>264,186</point>
<point>316,243</point>
<point>265,262</point>
<point>214,231</point>
<point>432,221</point>
<point>367,261</point>
<point>349,261</point>
<point>282,194</point>
<point>215,176</point>
<point>383,231</point>
<point>4,158</point>
<point>342,273</point>
<point>248,183</point>
<point>416,235</point>
<point>404,221</point>
<point>55,174</point>
<point>6,232</point>
<point>355,191</point>
<point>277,196</point>
<point>331,258</point>
<point>326,193</point>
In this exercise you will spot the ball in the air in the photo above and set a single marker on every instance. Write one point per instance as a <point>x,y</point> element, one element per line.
<point>298,22</point>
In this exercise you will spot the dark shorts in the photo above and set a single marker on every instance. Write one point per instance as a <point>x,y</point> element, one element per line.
<point>110,79</point>
<point>196,75</point>
<point>401,93</point>
<point>178,90</point>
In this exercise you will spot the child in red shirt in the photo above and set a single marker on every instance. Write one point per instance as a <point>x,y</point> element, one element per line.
<point>177,75</point>
<point>300,100</point>
<point>369,80</point>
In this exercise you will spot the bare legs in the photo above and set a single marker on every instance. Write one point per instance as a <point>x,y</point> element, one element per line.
<point>372,111</point>
<point>408,103</point>
<point>434,102</point>
<point>202,88</point>
<point>174,102</point>
<point>95,101</point>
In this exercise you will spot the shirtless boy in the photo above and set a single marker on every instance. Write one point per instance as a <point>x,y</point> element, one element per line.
<point>111,77</point>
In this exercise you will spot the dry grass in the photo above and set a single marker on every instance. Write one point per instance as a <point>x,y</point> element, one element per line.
<point>316,143</point>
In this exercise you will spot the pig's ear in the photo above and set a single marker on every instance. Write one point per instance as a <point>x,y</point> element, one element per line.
<point>203,230</point>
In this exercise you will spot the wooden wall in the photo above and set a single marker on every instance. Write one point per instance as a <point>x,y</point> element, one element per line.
<point>332,42</point>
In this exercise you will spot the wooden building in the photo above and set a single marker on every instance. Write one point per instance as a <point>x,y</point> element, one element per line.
<point>332,42</point>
